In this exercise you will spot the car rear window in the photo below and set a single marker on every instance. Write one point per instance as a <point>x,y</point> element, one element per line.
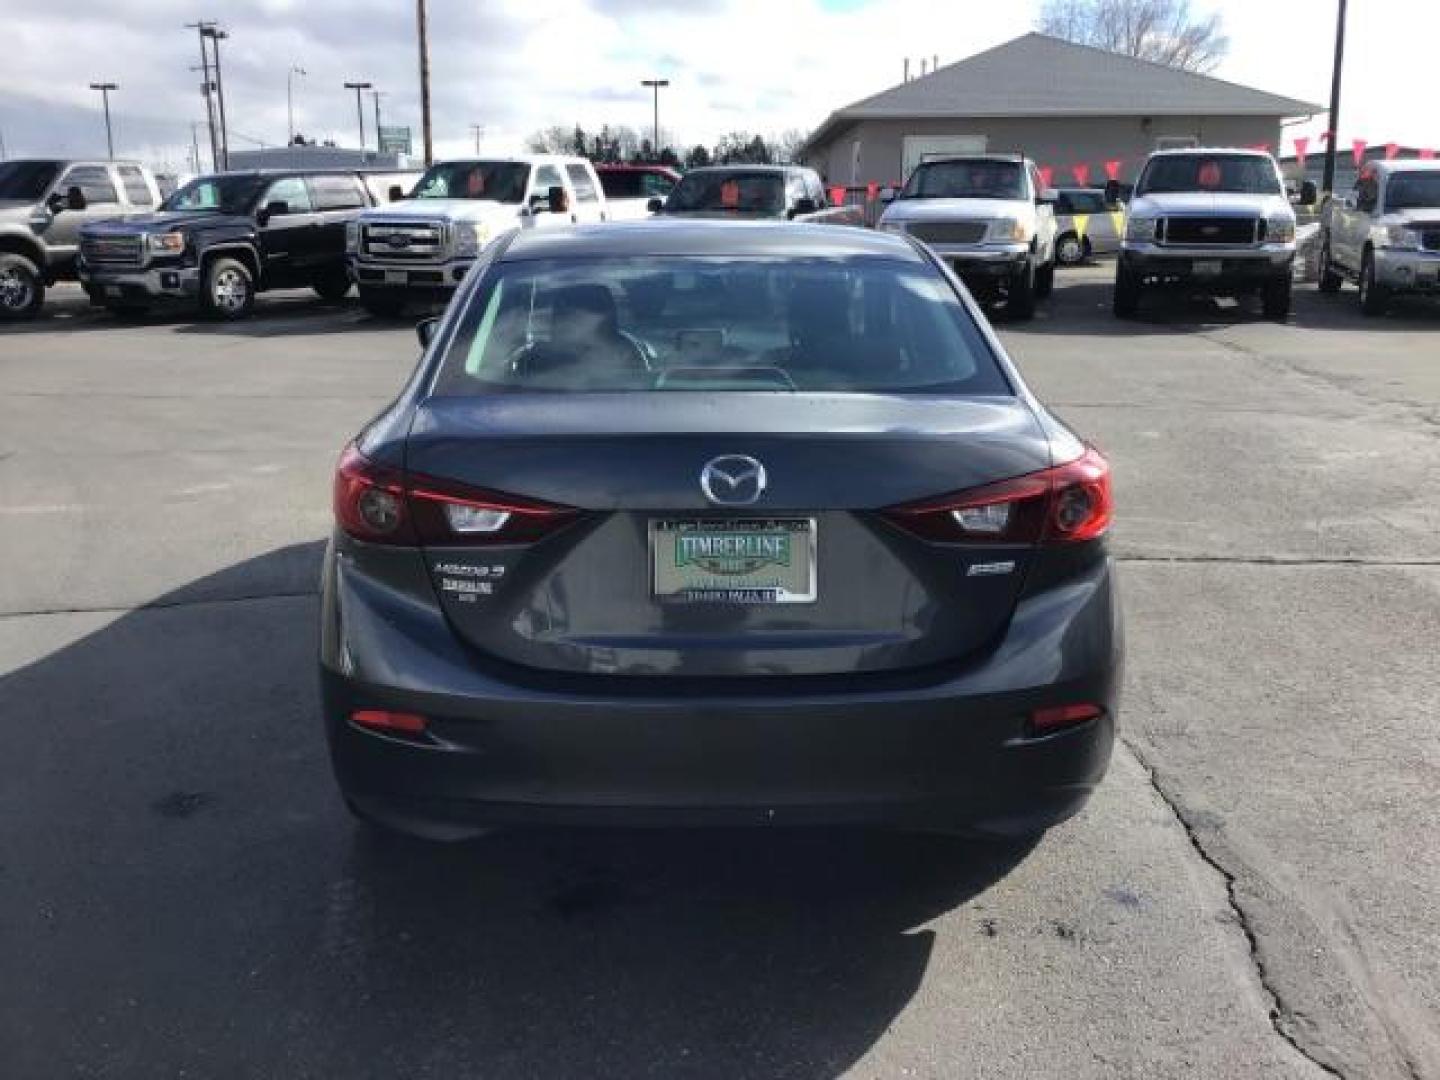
<point>869,325</point>
<point>754,192</point>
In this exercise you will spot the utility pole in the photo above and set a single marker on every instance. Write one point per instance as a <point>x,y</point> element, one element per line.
<point>360,109</point>
<point>479,130</point>
<point>1327,180</point>
<point>375,96</point>
<point>207,88</point>
<point>195,146</point>
<point>295,69</point>
<point>105,88</point>
<point>424,82</point>
<point>216,36</point>
<point>655,85</point>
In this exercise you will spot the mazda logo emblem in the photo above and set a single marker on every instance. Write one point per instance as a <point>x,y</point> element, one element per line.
<point>733,480</point>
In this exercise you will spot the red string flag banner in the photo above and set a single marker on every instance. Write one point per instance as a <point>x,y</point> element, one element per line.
<point>1047,174</point>
<point>1325,137</point>
<point>1391,149</point>
<point>837,196</point>
<point>1357,150</point>
<point>872,190</point>
<point>1301,145</point>
<point>1081,173</point>
<point>1112,169</point>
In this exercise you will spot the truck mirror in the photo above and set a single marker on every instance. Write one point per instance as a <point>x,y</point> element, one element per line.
<point>278,208</point>
<point>1112,192</point>
<point>74,198</point>
<point>1308,193</point>
<point>396,193</point>
<point>805,205</point>
<point>655,205</point>
<point>425,330</point>
<point>558,201</point>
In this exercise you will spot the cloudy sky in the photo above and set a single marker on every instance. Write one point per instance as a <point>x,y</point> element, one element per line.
<point>518,65</point>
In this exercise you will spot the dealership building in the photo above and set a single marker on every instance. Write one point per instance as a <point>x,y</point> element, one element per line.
<point>1059,103</point>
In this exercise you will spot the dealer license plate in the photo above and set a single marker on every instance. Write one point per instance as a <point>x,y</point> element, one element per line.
<point>748,561</point>
<point>1206,267</point>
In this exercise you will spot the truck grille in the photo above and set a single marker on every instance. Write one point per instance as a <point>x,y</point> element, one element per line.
<point>396,241</point>
<point>1212,230</point>
<point>949,232</point>
<point>111,250</point>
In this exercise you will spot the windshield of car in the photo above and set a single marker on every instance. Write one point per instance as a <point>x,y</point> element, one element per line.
<point>966,180</point>
<point>1413,190</point>
<point>707,323</point>
<point>1241,174</point>
<point>499,181</point>
<point>224,194</point>
<point>26,179</point>
<point>738,192</point>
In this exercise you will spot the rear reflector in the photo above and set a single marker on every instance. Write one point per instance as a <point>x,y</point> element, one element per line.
<point>402,723</point>
<point>1044,721</point>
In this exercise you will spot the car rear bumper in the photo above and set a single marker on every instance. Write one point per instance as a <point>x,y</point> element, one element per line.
<point>1408,271</point>
<point>950,753</point>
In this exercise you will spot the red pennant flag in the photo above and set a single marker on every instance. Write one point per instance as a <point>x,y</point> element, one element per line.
<point>1112,169</point>
<point>872,190</point>
<point>1301,145</point>
<point>1357,150</point>
<point>1391,149</point>
<point>1325,136</point>
<point>1427,154</point>
<point>1047,174</point>
<point>1081,172</point>
<point>837,196</point>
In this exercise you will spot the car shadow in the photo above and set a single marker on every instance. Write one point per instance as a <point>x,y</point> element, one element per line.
<point>182,893</point>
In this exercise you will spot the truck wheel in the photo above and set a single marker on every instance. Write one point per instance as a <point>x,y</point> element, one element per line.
<point>1020,300</point>
<point>1126,299</point>
<point>1275,298</point>
<point>1045,280</point>
<point>382,303</point>
<point>333,285</point>
<point>1374,297</point>
<point>22,289</point>
<point>228,289</point>
<point>1330,279</point>
<point>1070,250</point>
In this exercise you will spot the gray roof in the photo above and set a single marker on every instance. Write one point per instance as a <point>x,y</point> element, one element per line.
<point>1039,75</point>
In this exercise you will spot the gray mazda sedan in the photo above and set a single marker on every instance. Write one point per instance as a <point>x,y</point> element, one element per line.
<point>717,523</point>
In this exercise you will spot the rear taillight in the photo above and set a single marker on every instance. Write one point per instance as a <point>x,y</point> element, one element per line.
<point>1065,504</point>
<point>383,505</point>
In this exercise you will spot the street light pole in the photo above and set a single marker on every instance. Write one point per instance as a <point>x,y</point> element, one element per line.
<point>375,96</point>
<point>655,85</point>
<point>422,33</point>
<point>105,88</point>
<point>216,35</point>
<point>359,108</point>
<point>479,130</point>
<point>1327,180</point>
<point>206,88</point>
<point>295,69</point>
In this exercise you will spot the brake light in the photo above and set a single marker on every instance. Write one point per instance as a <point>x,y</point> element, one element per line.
<point>400,723</point>
<point>1065,504</point>
<point>1055,717</point>
<point>383,505</point>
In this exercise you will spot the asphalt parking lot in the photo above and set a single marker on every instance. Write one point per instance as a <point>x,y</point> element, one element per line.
<point>1254,893</point>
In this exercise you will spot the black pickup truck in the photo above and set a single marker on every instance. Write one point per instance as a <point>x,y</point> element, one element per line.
<point>220,239</point>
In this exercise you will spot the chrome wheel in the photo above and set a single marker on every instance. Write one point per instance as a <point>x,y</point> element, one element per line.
<point>17,288</point>
<point>229,290</point>
<point>1070,250</point>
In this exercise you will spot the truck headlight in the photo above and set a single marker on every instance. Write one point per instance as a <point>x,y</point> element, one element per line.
<point>1010,229</point>
<point>470,237</point>
<point>1400,236</point>
<point>1280,230</point>
<point>1140,228</point>
<point>168,243</point>
<point>352,236</point>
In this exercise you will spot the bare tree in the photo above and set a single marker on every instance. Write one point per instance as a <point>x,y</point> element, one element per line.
<point>787,145</point>
<point>1165,31</point>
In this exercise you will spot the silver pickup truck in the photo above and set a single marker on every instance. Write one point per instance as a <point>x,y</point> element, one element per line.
<point>1214,221</point>
<point>1385,234</point>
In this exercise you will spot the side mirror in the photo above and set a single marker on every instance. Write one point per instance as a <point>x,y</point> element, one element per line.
<point>655,205</point>
<point>1112,192</point>
<point>805,205</point>
<point>396,193</point>
<point>1308,193</point>
<point>425,330</point>
<point>887,194</point>
<point>278,208</point>
<point>559,202</point>
<point>74,198</point>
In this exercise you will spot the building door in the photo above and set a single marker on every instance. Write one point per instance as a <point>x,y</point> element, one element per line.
<point>918,148</point>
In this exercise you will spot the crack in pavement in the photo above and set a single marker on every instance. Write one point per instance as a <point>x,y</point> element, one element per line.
<point>1272,560</point>
<point>163,604</point>
<point>1279,1012</point>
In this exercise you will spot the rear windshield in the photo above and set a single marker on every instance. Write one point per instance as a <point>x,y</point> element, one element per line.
<point>966,180</point>
<point>1413,190</point>
<point>1242,174</point>
<point>741,192</point>
<point>226,194</point>
<point>699,323</point>
<point>26,179</point>
<point>502,181</point>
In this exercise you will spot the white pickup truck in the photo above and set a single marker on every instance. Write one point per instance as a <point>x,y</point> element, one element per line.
<point>421,247</point>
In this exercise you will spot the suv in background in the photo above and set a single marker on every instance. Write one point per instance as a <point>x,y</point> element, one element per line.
<point>1385,235</point>
<point>43,204</point>
<point>781,192</point>
<point>986,215</point>
<point>221,239</point>
<point>421,247</point>
<point>1214,221</point>
<point>629,189</point>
